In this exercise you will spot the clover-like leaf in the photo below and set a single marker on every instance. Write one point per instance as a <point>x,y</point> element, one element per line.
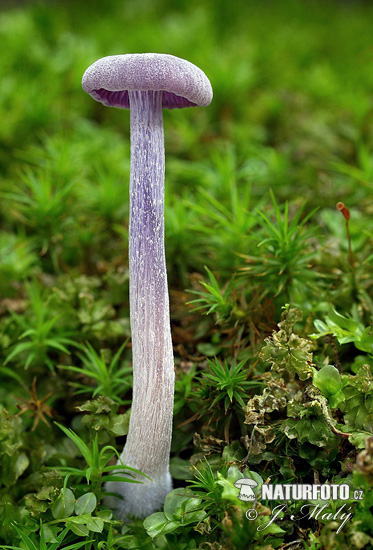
<point>157,524</point>
<point>96,525</point>
<point>180,508</point>
<point>173,506</point>
<point>63,506</point>
<point>51,532</point>
<point>85,504</point>
<point>80,530</point>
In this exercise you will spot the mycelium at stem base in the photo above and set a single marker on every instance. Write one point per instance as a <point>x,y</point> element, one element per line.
<point>148,441</point>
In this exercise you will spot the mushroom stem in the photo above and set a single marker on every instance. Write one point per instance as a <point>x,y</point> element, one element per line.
<point>149,437</point>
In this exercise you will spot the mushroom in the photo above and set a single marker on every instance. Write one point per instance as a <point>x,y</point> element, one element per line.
<point>246,492</point>
<point>146,83</point>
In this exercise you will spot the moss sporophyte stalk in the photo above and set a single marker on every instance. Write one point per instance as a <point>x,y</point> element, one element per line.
<point>147,83</point>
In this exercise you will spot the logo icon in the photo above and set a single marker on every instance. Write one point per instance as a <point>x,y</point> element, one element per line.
<point>246,485</point>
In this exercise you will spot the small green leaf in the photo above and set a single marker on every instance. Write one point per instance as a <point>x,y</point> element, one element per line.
<point>80,530</point>
<point>359,439</point>
<point>79,520</point>
<point>50,532</point>
<point>179,509</point>
<point>85,504</point>
<point>313,430</point>
<point>155,524</point>
<point>173,505</point>
<point>359,410</point>
<point>328,380</point>
<point>63,506</point>
<point>21,464</point>
<point>96,525</point>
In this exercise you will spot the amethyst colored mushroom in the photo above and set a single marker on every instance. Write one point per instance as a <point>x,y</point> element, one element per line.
<point>147,83</point>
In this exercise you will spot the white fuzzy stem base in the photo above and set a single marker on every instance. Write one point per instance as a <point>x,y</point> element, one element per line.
<point>139,500</point>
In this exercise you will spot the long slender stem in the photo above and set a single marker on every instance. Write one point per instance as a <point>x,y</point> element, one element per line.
<point>148,441</point>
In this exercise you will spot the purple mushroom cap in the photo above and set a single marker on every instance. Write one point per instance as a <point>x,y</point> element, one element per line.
<point>183,84</point>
